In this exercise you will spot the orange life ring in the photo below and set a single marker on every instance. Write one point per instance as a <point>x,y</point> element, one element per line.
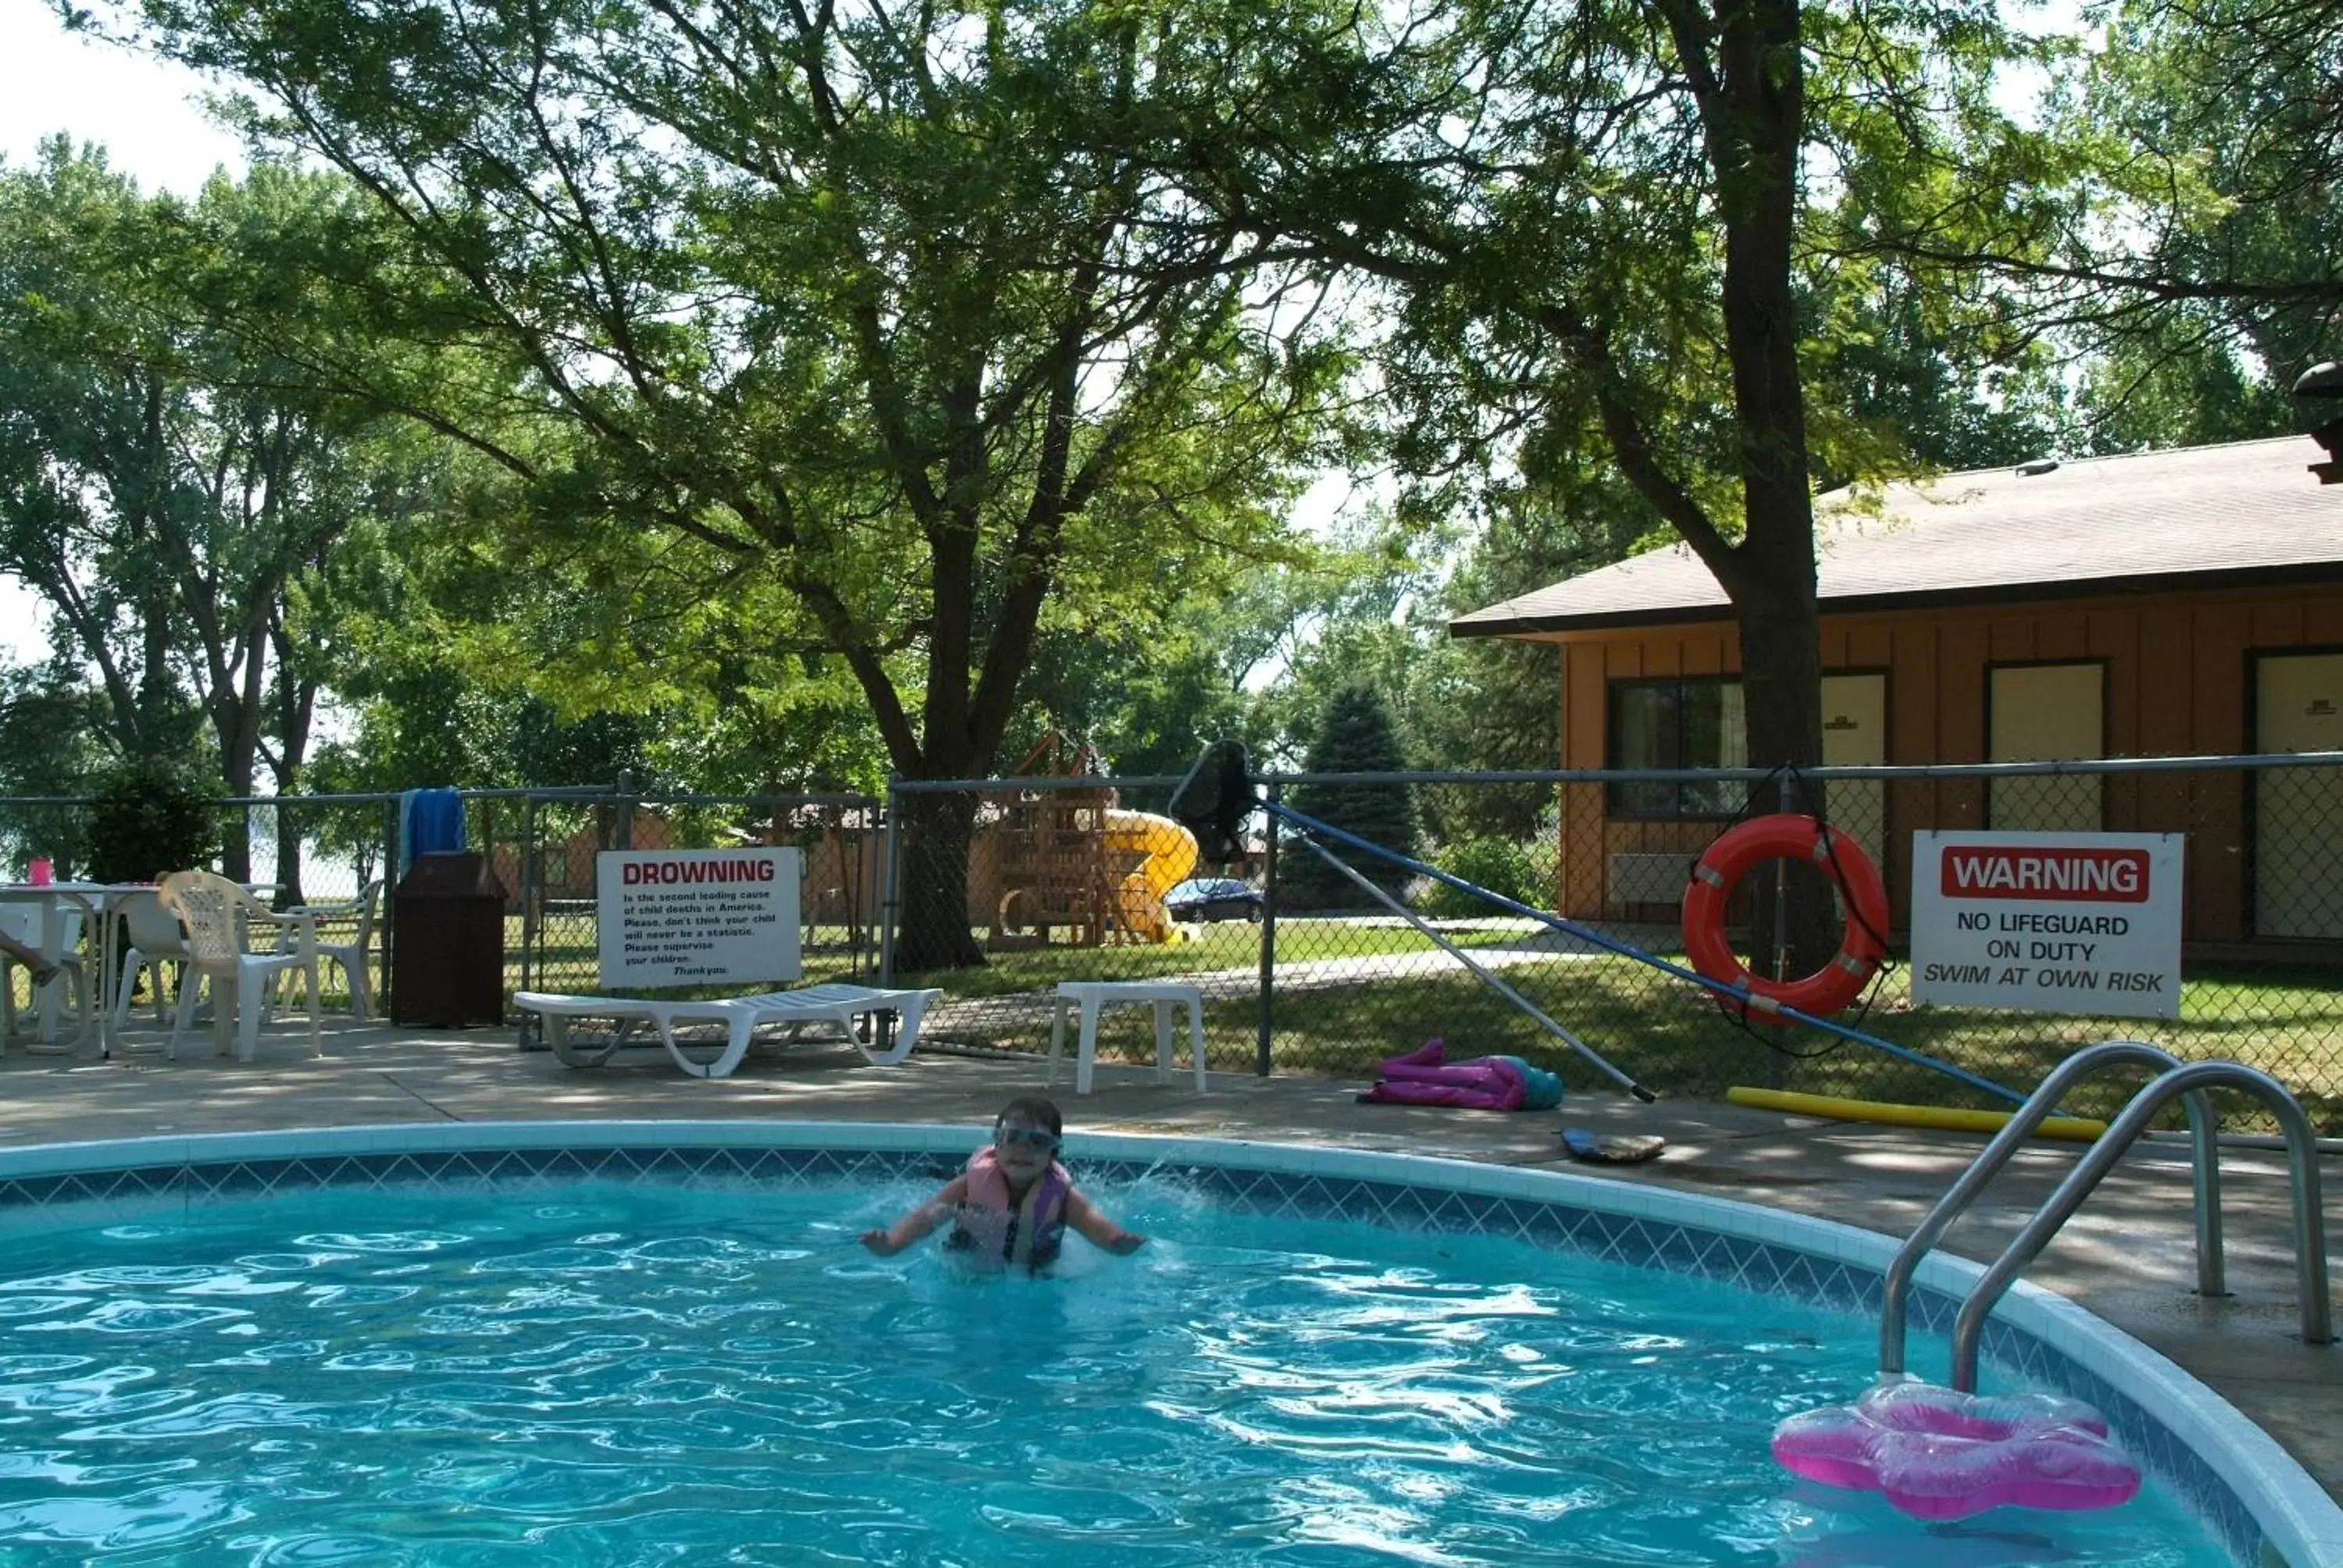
<point>1787,836</point>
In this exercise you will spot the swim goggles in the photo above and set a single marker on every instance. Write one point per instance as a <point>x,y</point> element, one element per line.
<point>1031,1137</point>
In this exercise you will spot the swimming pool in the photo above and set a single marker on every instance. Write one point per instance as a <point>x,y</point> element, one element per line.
<point>455,1344</point>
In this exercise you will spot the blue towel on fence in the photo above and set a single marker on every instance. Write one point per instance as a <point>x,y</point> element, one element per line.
<point>430,822</point>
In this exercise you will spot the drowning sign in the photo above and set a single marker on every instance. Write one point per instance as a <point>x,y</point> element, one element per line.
<point>697,917</point>
<point>2056,922</point>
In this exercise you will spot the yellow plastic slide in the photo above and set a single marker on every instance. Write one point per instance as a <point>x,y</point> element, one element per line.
<point>1170,852</point>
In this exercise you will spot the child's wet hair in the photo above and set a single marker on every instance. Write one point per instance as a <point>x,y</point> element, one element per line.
<point>1034,1111</point>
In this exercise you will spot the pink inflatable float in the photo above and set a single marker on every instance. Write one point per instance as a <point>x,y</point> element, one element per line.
<point>1938,1454</point>
<point>1425,1076</point>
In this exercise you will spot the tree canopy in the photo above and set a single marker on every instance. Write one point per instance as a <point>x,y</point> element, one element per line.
<point>774,399</point>
<point>1353,735</point>
<point>848,329</point>
<point>171,486</point>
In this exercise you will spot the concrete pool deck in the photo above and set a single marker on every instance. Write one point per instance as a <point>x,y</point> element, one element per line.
<point>2127,1256</point>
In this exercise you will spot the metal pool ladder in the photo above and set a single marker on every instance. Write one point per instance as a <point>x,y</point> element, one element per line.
<point>2186,1082</point>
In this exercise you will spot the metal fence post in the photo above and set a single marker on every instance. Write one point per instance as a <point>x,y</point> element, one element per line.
<point>1787,798</point>
<point>391,871</point>
<point>529,928</point>
<point>1262,1028</point>
<point>890,870</point>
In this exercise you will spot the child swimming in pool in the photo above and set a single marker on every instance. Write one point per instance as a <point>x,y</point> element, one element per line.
<point>1011,1207</point>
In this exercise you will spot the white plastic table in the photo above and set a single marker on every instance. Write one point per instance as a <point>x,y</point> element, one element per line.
<point>1090,996</point>
<point>53,899</point>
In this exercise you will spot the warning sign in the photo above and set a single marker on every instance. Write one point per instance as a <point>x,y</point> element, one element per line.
<point>697,917</point>
<point>2056,922</point>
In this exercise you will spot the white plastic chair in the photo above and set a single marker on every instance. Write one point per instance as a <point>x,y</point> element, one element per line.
<point>23,923</point>
<point>344,933</point>
<point>151,939</point>
<point>220,919</point>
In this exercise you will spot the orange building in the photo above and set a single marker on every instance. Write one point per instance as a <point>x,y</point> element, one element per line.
<point>2179,603</point>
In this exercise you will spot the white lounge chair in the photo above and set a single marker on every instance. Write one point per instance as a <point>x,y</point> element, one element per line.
<point>835,1002</point>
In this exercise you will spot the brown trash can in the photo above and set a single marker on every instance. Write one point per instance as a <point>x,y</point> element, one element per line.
<point>447,943</point>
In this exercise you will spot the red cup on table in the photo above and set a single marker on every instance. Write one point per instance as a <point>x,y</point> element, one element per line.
<point>41,872</point>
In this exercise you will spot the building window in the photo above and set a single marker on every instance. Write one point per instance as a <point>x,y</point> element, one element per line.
<point>2298,812</point>
<point>1692,723</point>
<point>2047,713</point>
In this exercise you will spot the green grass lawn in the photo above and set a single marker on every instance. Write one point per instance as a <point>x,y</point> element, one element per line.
<point>1228,945</point>
<point>1663,1032</point>
<point>1672,1037</point>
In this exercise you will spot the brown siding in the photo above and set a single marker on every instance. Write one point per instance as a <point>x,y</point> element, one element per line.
<point>2177,675</point>
<point>1869,646</point>
<point>2112,638</point>
<point>1585,671</point>
<point>2218,637</point>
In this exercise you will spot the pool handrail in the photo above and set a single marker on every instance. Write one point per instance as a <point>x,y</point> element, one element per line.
<point>1896,1286</point>
<point>2302,1160</point>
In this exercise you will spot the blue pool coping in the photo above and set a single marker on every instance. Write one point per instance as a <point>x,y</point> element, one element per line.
<point>2249,1492</point>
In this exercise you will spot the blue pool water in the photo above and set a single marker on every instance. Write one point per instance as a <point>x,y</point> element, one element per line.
<point>631,1375</point>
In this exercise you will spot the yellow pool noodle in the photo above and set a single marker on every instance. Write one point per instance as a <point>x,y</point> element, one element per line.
<point>2081,1130</point>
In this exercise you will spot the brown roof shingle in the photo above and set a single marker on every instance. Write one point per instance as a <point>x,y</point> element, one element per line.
<point>2241,512</point>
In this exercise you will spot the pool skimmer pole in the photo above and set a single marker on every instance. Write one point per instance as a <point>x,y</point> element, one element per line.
<point>1594,1057</point>
<point>1624,950</point>
<point>1219,793</point>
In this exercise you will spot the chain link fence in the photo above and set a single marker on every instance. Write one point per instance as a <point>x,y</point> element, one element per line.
<point>546,865</point>
<point>1302,970</point>
<point>1002,889</point>
<point>291,850</point>
<point>538,846</point>
<point>1006,887</point>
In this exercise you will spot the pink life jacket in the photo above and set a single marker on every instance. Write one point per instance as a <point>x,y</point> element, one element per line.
<point>998,1232</point>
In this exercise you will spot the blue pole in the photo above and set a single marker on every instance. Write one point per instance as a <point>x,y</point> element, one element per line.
<point>1586,934</point>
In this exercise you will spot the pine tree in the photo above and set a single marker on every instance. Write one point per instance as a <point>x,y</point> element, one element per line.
<point>1355,735</point>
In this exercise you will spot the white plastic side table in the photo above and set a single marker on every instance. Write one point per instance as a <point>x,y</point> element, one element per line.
<point>1092,995</point>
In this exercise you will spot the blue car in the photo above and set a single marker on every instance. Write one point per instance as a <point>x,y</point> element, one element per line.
<point>1213,899</point>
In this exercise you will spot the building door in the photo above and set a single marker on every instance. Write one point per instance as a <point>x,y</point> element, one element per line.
<point>2047,713</point>
<point>1854,735</point>
<point>2298,812</point>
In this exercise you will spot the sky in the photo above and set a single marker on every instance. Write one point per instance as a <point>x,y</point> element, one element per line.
<point>147,116</point>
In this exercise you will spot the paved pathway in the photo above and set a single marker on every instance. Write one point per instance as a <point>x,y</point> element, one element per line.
<point>2127,1256</point>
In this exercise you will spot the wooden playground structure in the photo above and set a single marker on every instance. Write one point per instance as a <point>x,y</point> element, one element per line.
<point>1069,867</point>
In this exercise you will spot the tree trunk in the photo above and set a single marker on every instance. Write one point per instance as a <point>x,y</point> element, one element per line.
<point>1780,665</point>
<point>1756,110</point>
<point>288,856</point>
<point>238,745</point>
<point>296,702</point>
<point>1794,923</point>
<point>932,925</point>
